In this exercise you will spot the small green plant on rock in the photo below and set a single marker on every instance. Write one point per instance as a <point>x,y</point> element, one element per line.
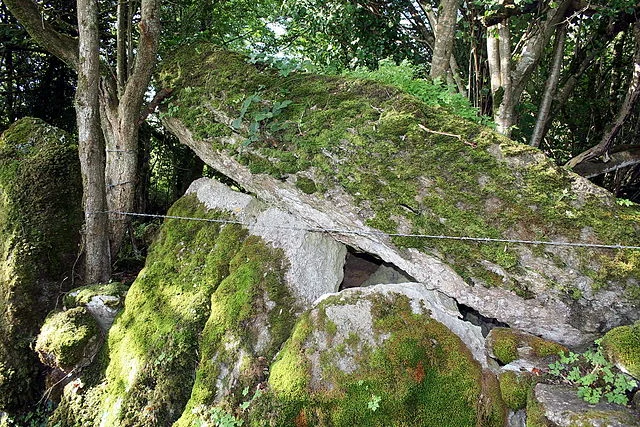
<point>260,116</point>
<point>594,375</point>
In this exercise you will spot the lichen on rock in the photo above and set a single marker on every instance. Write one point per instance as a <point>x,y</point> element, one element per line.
<point>40,217</point>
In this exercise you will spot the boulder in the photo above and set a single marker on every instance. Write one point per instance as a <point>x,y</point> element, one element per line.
<point>217,297</point>
<point>40,219</point>
<point>378,356</point>
<point>69,340</point>
<point>387,181</point>
<point>558,405</point>
<point>621,346</point>
<point>102,301</point>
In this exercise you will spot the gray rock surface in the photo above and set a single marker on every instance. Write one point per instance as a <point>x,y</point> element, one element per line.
<point>357,318</point>
<point>104,308</point>
<point>315,259</point>
<point>548,313</point>
<point>564,408</point>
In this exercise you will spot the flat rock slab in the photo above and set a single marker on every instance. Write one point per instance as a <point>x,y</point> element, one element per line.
<point>563,407</point>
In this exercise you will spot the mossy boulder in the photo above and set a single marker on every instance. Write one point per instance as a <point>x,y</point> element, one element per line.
<point>68,339</point>
<point>40,218</point>
<point>507,345</point>
<point>103,301</point>
<point>355,155</point>
<point>621,346</point>
<point>375,356</point>
<point>200,323</point>
<point>514,388</point>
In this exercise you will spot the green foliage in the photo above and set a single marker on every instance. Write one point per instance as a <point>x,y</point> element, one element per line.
<point>405,76</point>
<point>263,117</point>
<point>594,375</point>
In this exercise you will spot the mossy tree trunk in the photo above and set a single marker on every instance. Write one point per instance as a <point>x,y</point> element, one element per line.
<point>120,108</point>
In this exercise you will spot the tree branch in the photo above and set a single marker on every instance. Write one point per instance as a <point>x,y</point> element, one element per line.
<point>625,156</point>
<point>60,45</point>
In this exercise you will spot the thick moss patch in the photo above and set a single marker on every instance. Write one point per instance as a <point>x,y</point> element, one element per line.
<point>515,388</point>
<point>504,343</point>
<point>68,339</point>
<point>40,217</point>
<point>621,345</point>
<point>203,282</point>
<point>383,147</point>
<point>420,374</point>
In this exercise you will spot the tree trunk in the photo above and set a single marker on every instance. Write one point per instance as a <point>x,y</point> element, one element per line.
<point>120,124</point>
<point>91,151</point>
<point>550,88</point>
<point>444,37</point>
<point>630,100</point>
<point>513,77</point>
<point>119,112</point>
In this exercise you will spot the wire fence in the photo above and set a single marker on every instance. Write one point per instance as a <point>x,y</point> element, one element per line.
<point>377,233</point>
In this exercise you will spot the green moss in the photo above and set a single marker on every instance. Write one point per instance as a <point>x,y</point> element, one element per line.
<point>199,306</point>
<point>504,344</point>
<point>515,388</point>
<point>422,374</point>
<point>83,295</point>
<point>230,337</point>
<point>40,217</point>
<point>535,412</point>
<point>306,185</point>
<point>66,338</point>
<point>621,346</point>
<point>383,147</point>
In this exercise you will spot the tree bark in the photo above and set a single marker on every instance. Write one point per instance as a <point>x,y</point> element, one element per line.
<point>444,38</point>
<point>550,88</point>
<point>119,112</point>
<point>630,100</point>
<point>514,77</point>
<point>91,151</point>
<point>120,123</point>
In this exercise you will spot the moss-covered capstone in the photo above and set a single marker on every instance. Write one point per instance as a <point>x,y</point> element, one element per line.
<point>374,357</point>
<point>68,339</point>
<point>621,346</point>
<point>359,154</point>
<point>509,344</point>
<point>40,218</point>
<point>201,322</point>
